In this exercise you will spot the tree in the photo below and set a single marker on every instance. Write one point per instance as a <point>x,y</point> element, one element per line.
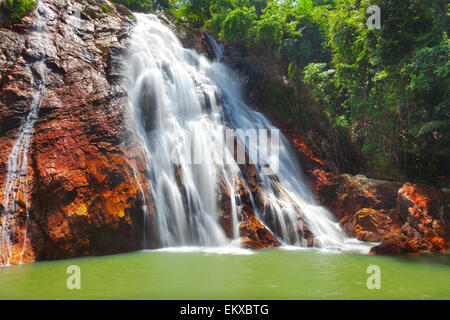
<point>195,12</point>
<point>236,25</point>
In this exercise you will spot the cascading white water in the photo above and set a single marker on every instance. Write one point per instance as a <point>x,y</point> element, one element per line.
<point>178,101</point>
<point>217,48</point>
<point>15,188</point>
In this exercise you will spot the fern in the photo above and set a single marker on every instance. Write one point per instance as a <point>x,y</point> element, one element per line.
<point>432,126</point>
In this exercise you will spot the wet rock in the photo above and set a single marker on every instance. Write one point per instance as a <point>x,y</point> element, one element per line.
<point>424,213</point>
<point>86,179</point>
<point>254,235</point>
<point>396,244</point>
<point>346,194</point>
<point>369,225</point>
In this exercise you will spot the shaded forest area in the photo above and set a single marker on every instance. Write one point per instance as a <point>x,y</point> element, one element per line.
<point>386,89</point>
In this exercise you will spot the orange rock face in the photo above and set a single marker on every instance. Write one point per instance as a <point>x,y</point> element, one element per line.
<point>254,235</point>
<point>370,225</point>
<point>403,218</point>
<point>425,214</point>
<point>86,180</point>
<point>422,216</point>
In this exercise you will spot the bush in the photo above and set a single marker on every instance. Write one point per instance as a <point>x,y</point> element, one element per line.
<point>13,10</point>
<point>237,24</point>
<point>145,6</point>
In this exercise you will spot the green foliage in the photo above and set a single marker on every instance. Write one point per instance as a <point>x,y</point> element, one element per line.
<point>293,71</point>
<point>145,6</point>
<point>237,24</point>
<point>104,8</point>
<point>14,10</point>
<point>293,28</point>
<point>193,11</point>
<point>390,85</point>
<point>214,25</point>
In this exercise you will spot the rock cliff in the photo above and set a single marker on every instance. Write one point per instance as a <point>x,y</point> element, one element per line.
<point>84,178</point>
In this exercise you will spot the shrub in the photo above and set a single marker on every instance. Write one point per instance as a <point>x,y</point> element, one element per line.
<point>13,10</point>
<point>144,6</point>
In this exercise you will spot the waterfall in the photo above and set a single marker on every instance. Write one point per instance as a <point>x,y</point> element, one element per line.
<point>180,101</point>
<point>15,188</point>
<point>215,47</point>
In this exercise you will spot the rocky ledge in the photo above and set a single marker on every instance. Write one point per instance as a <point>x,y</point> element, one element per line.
<point>401,218</point>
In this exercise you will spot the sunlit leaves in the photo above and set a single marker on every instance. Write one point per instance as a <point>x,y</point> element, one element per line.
<point>14,10</point>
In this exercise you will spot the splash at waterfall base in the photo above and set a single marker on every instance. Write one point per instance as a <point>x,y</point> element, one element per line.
<point>89,183</point>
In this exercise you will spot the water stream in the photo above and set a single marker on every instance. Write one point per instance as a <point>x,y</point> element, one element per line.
<point>17,177</point>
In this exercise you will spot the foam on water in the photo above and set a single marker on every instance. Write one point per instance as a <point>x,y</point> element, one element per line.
<point>224,250</point>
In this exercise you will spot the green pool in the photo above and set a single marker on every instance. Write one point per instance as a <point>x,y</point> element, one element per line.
<point>239,274</point>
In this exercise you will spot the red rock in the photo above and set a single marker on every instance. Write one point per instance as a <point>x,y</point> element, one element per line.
<point>424,212</point>
<point>369,225</point>
<point>86,197</point>
<point>396,244</point>
<point>254,235</point>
